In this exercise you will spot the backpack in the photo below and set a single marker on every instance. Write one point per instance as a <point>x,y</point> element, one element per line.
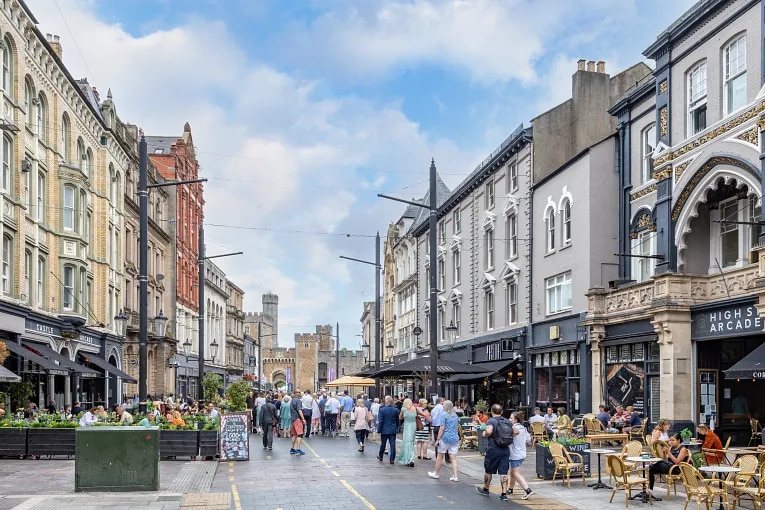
<point>503,433</point>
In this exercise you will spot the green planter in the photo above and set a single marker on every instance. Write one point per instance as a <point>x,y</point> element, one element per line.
<point>13,441</point>
<point>178,444</point>
<point>545,465</point>
<point>208,443</point>
<point>44,441</point>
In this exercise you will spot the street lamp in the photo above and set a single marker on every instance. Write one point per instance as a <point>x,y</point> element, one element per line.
<point>160,324</point>
<point>120,321</point>
<point>389,350</point>
<point>213,349</point>
<point>451,332</point>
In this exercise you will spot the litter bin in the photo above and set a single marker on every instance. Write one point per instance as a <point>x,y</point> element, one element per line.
<point>116,459</point>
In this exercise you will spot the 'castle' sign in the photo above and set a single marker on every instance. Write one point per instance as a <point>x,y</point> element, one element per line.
<point>726,321</point>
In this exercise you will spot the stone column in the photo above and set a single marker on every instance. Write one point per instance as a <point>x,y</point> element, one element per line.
<point>67,390</point>
<point>596,323</point>
<point>673,327</point>
<point>51,388</point>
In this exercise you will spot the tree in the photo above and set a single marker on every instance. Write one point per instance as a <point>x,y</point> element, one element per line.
<point>20,393</point>
<point>4,353</point>
<point>212,384</point>
<point>237,395</point>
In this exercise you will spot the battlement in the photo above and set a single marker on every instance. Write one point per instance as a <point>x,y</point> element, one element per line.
<point>254,317</point>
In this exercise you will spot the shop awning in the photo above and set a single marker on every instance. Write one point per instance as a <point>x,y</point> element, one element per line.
<point>51,366</point>
<point>111,369</point>
<point>62,361</point>
<point>489,368</point>
<point>414,368</point>
<point>8,376</point>
<point>469,378</point>
<point>752,366</point>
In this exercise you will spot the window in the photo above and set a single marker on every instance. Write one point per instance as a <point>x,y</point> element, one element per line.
<point>68,207</point>
<point>697,99</point>
<point>441,274</point>
<point>512,178</point>
<point>511,298</point>
<point>457,260</point>
<point>81,212</point>
<point>729,233</point>
<point>7,67</point>
<point>489,305</point>
<point>489,194</point>
<point>558,293</point>
<point>457,226</point>
<point>512,236</point>
<point>7,260</point>
<point>28,189</point>
<point>442,323</point>
<point>28,96</point>
<point>645,244</point>
<point>441,233</point>
<point>27,290</point>
<point>40,196</point>
<point>40,282</point>
<point>81,293</point>
<point>66,139</point>
<point>489,248</point>
<point>550,220</point>
<point>456,312</point>
<point>111,183</point>
<point>89,164</point>
<point>7,162</point>
<point>82,158</point>
<point>648,137</point>
<point>68,288</point>
<point>566,223</point>
<point>755,215</point>
<point>735,75</point>
<point>42,118</point>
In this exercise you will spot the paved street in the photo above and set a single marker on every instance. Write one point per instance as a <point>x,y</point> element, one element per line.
<point>331,471</point>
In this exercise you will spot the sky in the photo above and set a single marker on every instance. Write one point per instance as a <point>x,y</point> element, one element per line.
<point>302,111</point>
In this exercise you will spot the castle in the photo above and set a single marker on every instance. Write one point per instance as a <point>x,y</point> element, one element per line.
<point>312,363</point>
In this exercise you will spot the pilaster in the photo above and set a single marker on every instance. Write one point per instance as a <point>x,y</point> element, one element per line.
<point>673,327</point>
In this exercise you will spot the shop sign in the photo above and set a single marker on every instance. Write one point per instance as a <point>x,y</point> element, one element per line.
<point>730,321</point>
<point>494,351</point>
<point>44,329</point>
<point>87,339</point>
<point>498,379</point>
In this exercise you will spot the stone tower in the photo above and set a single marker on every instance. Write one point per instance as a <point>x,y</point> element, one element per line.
<point>271,308</point>
<point>306,361</point>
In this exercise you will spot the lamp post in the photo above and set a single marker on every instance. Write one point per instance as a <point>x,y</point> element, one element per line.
<point>451,332</point>
<point>433,243</point>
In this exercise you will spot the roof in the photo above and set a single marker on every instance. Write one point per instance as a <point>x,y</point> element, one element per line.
<point>87,90</point>
<point>160,144</point>
<point>442,193</point>
<point>682,24</point>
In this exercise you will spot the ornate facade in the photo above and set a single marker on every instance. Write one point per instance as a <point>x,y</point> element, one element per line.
<point>235,360</point>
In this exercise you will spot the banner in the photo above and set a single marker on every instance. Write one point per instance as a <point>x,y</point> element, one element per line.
<point>331,374</point>
<point>289,375</point>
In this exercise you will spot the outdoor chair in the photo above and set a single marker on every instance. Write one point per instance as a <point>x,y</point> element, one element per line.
<point>756,493</point>
<point>567,462</point>
<point>538,432</point>
<point>674,477</point>
<point>624,479</point>
<point>577,426</point>
<point>749,466</point>
<point>756,432</point>
<point>636,433</point>
<point>699,488</point>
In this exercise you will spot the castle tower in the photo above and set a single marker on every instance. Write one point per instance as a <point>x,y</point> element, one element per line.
<point>306,361</point>
<point>271,308</point>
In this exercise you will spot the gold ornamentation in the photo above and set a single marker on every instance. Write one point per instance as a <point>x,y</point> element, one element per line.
<point>700,173</point>
<point>679,169</point>
<point>644,221</point>
<point>643,192</point>
<point>750,136</point>
<point>663,87</point>
<point>663,121</point>
<point>662,174</point>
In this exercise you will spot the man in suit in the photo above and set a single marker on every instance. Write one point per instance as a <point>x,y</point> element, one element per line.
<point>387,425</point>
<point>267,422</point>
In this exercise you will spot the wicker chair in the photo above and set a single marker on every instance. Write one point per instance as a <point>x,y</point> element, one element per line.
<point>636,433</point>
<point>624,479</point>
<point>674,476</point>
<point>699,488</point>
<point>749,465</point>
<point>538,432</point>
<point>567,462</point>
<point>756,494</point>
<point>756,438</point>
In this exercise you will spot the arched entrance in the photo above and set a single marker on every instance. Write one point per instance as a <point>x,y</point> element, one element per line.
<point>115,395</point>
<point>279,380</point>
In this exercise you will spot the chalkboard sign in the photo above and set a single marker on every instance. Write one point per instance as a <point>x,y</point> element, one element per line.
<point>234,437</point>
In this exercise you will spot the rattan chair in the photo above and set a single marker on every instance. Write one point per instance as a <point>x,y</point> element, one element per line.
<point>756,494</point>
<point>756,438</point>
<point>538,432</point>
<point>749,466</point>
<point>699,488</point>
<point>674,476</point>
<point>624,479</point>
<point>636,433</point>
<point>566,463</point>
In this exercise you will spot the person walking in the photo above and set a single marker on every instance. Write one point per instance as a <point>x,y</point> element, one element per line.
<point>408,416</point>
<point>361,415</point>
<point>298,423</point>
<point>285,416</point>
<point>422,436</point>
<point>268,422</point>
<point>517,454</point>
<point>387,425</point>
<point>437,420</point>
<point>250,403</point>
<point>259,401</point>
<point>375,408</point>
<point>307,400</point>
<point>346,403</point>
<point>499,432</point>
<point>322,413</point>
<point>315,415</point>
<point>448,440</point>
<point>333,412</point>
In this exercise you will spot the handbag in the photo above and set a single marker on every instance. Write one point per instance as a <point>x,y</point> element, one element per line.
<point>419,423</point>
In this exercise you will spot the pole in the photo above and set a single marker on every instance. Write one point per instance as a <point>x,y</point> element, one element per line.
<point>378,339</point>
<point>337,351</point>
<point>143,275</point>
<point>433,326</point>
<point>260,357</point>
<point>201,288</point>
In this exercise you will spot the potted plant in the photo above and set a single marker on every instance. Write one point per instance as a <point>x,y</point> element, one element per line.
<point>686,434</point>
<point>544,462</point>
<point>481,405</point>
<point>13,438</point>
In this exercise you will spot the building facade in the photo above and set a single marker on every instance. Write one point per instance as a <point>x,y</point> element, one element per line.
<point>235,360</point>
<point>368,344</point>
<point>215,320</point>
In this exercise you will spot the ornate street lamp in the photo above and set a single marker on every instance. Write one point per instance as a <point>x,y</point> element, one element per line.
<point>389,350</point>
<point>451,332</point>
<point>120,320</point>
<point>214,349</point>
<point>160,324</point>
<point>186,348</point>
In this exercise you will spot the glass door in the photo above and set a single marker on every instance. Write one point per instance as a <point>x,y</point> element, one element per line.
<point>573,396</point>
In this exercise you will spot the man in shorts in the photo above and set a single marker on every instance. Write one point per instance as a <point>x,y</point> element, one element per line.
<point>497,459</point>
<point>298,423</point>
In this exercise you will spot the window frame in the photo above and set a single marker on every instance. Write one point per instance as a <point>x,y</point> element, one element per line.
<point>556,285</point>
<point>41,189</point>
<point>489,248</point>
<point>511,226</point>
<point>512,177</point>
<point>489,304</point>
<point>8,67</point>
<point>457,266</point>
<point>40,282</point>
<point>565,229</point>
<point>646,150</point>
<point>550,231</point>
<point>29,96</point>
<point>696,99</point>
<point>6,179</point>
<point>456,312</point>
<point>644,244</point>
<point>490,194</point>
<point>69,270</point>
<point>42,117</point>
<point>7,265</point>
<point>731,79</point>
<point>457,220</point>
<point>511,299</point>
<point>69,208</point>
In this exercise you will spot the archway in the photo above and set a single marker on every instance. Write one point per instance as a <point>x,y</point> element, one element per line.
<point>114,395</point>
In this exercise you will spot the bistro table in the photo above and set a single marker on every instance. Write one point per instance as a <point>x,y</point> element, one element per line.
<point>599,484</point>
<point>719,469</point>
<point>644,460</point>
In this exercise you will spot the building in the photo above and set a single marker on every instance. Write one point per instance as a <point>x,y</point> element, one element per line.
<point>215,337</point>
<point>687,306</point>
<point>368,344</point>
<point>65,156</point>
<point>235,360</point>
<point>175,159</point>
<point>574,244</point>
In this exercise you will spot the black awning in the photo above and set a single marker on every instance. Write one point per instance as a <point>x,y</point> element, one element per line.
<point>469,378</point>
<point>51,366</point>
<point>414,367</point>
<point>499,366</point>
<point>108,367</point>
<point>752,366</point>
<point>63,361</point>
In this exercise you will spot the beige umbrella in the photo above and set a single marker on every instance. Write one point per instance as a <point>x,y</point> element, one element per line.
<point>351,380</point>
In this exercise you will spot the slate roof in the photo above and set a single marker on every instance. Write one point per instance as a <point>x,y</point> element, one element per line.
<point>163,143</point>
<point>687,20</point>
<point>442,194</point>
<point>89,95</point>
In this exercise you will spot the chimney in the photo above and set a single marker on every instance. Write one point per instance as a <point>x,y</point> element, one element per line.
<point>580,64</point>
<point>55,43</point>
<point>591,66</point>
<point>601,66</point>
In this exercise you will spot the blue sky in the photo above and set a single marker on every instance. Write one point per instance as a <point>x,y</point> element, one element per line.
<point>302,111</point>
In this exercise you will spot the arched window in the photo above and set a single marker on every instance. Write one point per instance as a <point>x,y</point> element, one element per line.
<point>8,68</point>
<point>66,138</point>
<point>81,156</point>
<point>29,94</point>
<point>42,117</point>
<point>89,164</point>
<point>566,232</point>
<point>550,220</point>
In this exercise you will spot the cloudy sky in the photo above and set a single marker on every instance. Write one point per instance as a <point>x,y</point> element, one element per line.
<point>303,110</point>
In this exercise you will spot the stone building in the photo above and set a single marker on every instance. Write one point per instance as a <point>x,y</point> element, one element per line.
<point>65,155</point>
<point>235,360</point>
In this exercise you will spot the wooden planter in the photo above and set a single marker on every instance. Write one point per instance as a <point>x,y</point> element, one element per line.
<point>13,441</point>
<point>546,466</point>
<point>208,443</point>
<point>44,441</point>
<point>178,444</point>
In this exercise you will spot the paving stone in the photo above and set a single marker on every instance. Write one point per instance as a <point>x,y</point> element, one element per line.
<point>209,500</point>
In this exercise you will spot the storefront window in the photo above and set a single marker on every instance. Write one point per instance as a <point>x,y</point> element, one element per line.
<point>564,358</point>
<point>543,385</point>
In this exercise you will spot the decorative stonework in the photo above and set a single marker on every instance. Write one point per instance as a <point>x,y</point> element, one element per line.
<point>663,122</point>
<point>664,173</point>
<point>663,87</point>
<point>643,192</point>
<point>700,173</point>
<point>750,136</point>
<point>680,169</point>
<point>642,222</point>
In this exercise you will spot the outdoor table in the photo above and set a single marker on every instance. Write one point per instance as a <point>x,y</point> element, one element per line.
<point>719,469</point>
<point>599,484</point>
<point>644,460</point>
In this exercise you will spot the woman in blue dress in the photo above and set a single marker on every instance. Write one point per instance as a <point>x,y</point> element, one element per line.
<point>409,416</point>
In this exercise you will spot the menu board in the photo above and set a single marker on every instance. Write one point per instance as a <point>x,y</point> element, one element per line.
<point>234,437</point>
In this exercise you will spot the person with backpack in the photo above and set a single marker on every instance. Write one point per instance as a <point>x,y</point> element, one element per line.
<point>521,439</point>
<point>500,434</point>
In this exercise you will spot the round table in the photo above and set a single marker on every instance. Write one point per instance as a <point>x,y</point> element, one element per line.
<point>643,495</point>
<point>715,470</point>
<point>599,484</point>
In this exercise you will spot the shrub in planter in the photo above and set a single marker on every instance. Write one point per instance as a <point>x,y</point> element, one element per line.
<point>544,461</point>
<point>13,438</point>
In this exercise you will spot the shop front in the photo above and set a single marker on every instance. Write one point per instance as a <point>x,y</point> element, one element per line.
<point>725,336</point>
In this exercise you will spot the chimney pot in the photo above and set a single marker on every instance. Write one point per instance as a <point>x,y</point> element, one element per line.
<point>591,66</point>
<point>55,43</point>
<point>48,37</point>
<point>580,64</point>
<point>601,66</point>
<point>56,38</point>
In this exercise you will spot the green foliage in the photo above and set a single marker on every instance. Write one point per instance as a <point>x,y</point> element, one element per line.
<point>686,434</point>
<point>237,395</point>
<point>481,405</point>
<point>212,384</point>
<point>20,393</point>
<point>564,440</point>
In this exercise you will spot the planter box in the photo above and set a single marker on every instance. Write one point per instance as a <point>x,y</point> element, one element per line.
<point>13,441</point>
<point>546,466</point>
<point>51,441</point>
<point>208,443</point>
<point>180,444</point>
